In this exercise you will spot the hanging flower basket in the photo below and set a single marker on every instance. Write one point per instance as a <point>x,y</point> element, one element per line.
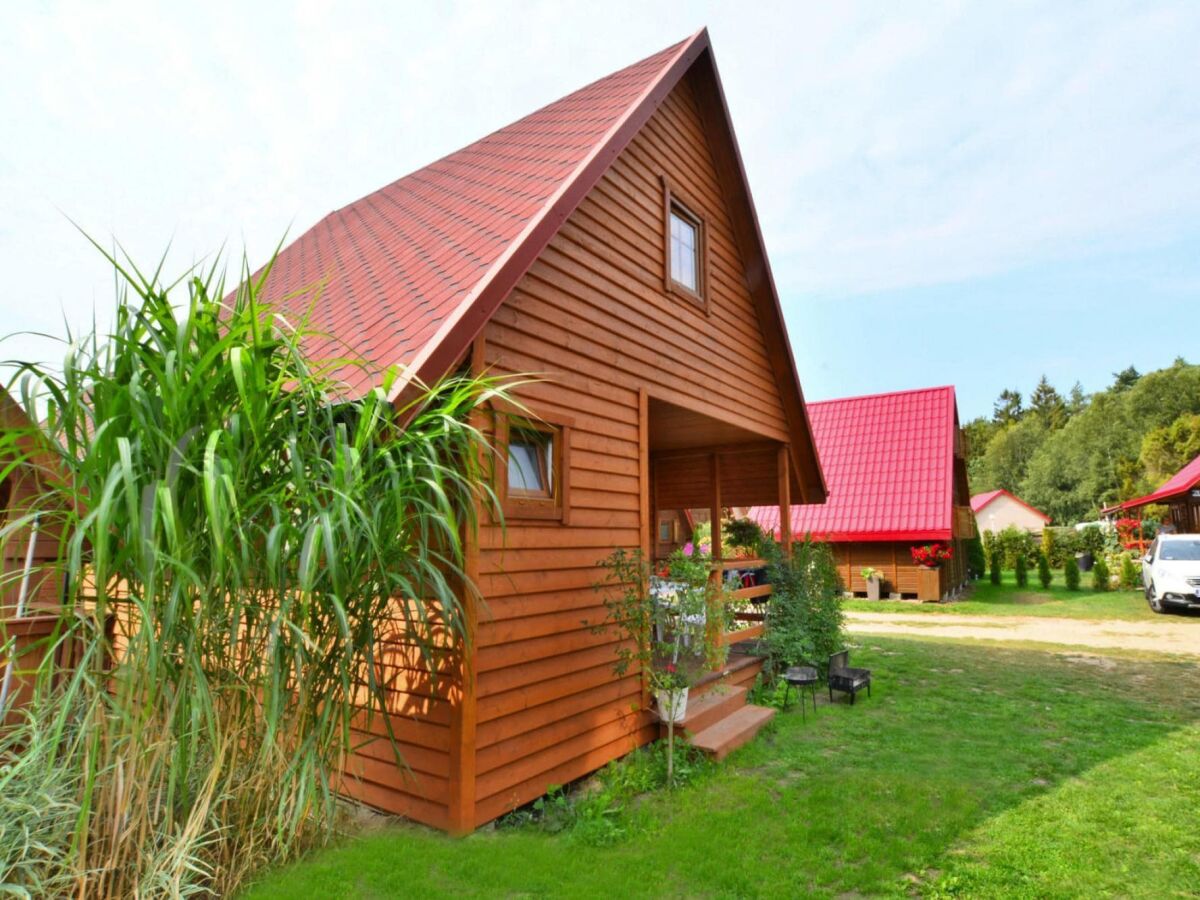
<point>931,556</point>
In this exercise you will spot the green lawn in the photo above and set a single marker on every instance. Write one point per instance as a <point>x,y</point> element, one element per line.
<point>1006,598</point>
<point>971,772</point>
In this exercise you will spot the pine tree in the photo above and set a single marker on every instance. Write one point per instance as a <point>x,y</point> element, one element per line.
<point>1044,574</point>
<point>1048,403</point>
<point>995,566</point>
<point>1022,569</point>
<point>1008,407</point>
<point>1100,576</point>
<point>1071,574</point>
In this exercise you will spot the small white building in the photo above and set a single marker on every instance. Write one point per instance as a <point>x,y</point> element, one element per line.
<point>996,510</point>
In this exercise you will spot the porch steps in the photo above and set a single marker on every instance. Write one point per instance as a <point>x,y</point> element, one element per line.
<point>726,735</point>
<point>709,708</point>
<point>740,670</point>
<point>719,720</point>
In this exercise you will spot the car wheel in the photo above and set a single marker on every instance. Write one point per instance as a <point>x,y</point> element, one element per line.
<point>1152,599</point>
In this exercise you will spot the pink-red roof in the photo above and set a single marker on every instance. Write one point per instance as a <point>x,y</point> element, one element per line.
<point>889,463</point>
<point>979,501</point>
<point>1176,486</point>
<point>401,267</point>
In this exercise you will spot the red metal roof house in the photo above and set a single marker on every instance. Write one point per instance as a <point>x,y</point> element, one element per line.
<point>609,243</point>
<point>1181,493</point>
<point>897,478</point>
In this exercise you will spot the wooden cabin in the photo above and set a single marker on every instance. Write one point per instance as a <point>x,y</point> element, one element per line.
<point>1180,494</point>
<point>31,578</point>
<point>609,243</point>
<point>897,479</point>
<point>996,510</point>
<point>29,557</point>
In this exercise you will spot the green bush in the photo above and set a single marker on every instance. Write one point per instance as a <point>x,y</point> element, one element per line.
<point>989,542</point>
<point>804,615</point>
<point>1071,573</point>
<point>995,566</point>
<point>1015,543</point>
<point>1100,576</point>
<point>1045,576</point>
<point>1049,543</point>
<point>1059,544</point>
<point>1022,569</point>
<point>1091,540</point>
<point>976,559</point>
<point>1130,576</point>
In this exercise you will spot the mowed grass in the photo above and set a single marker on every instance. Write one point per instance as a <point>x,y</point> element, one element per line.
<point>971,772</point>
<point>1007,598</point>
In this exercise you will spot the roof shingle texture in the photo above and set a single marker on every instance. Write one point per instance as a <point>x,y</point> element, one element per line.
<point>889,463</point>
<point>382,274</point>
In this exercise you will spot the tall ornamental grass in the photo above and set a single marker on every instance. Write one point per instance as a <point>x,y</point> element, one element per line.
<point>237,538</point>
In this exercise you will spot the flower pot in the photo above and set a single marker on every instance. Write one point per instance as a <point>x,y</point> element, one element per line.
<point>874,588</point>
<point>929,583</point>
<point>672,705</point>
<point>1085,560</point>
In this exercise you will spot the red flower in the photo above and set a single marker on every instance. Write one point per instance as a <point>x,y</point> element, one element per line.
<point>931,554</point>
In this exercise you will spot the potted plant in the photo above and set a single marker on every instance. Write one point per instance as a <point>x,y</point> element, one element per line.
<point>874,579</point>
<point>929,559</point>
<point>665,615</point>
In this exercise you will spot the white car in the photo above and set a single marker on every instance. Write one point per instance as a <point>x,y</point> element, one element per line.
<point>1171,572</point>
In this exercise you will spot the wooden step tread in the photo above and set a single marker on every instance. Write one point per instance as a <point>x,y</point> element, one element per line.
<point>709,708</point>
<point>738,728</point>
<point>737,667</point>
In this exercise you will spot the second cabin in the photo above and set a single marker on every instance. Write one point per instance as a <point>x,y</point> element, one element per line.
<point>897,478</point>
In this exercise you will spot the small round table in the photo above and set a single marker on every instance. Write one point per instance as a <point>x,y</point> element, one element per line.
<point>801,677</point>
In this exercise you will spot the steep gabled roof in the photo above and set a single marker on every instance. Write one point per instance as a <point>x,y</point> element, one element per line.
<point>408,275</point>
<point>889,464</point>
<point>1176,486</point>
<point>979,501</point>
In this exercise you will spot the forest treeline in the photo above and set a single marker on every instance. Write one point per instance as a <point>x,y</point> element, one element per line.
<point>1072,454</point>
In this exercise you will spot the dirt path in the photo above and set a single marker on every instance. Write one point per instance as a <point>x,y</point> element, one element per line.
<point>1164,635</point>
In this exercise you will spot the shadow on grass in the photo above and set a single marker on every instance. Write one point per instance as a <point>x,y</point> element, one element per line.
<point>870,799</point>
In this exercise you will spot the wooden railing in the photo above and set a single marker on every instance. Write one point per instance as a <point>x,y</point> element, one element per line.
<point>754,627</point>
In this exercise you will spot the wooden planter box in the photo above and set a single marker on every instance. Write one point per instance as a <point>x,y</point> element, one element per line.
<point>929,583</point>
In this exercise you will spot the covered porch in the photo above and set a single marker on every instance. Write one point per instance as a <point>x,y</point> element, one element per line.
<point>700,466</point>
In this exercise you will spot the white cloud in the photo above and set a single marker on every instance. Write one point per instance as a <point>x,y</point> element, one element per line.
<point>889,145</point>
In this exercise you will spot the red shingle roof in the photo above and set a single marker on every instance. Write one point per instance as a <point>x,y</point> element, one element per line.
<point>1178,484</point>
<point>403,264</point>
<point>979,501</point>
<point>889,463</point>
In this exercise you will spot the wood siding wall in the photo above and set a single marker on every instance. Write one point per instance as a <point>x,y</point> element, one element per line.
<point>592,317</point>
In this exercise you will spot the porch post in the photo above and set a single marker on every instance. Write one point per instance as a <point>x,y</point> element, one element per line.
<point>714,510</point>
<point>785,502</point>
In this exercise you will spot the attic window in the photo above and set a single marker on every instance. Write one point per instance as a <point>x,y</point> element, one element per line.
<point>532,480</point>
<point>686,250</point>
<point>685,246</point>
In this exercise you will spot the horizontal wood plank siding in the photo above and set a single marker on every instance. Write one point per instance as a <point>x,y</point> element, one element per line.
<point>592,319</point>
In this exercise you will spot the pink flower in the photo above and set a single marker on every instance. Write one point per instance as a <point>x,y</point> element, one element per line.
<point>688,549</point>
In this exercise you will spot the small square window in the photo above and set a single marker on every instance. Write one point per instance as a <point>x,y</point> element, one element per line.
<point>685,256</point>
<point>532,475</point>
<point>530,463</point>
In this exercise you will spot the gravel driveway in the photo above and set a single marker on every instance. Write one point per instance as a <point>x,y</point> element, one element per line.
<point>1168,634</point>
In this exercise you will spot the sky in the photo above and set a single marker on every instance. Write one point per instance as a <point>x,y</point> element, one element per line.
<point>950,193</point>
